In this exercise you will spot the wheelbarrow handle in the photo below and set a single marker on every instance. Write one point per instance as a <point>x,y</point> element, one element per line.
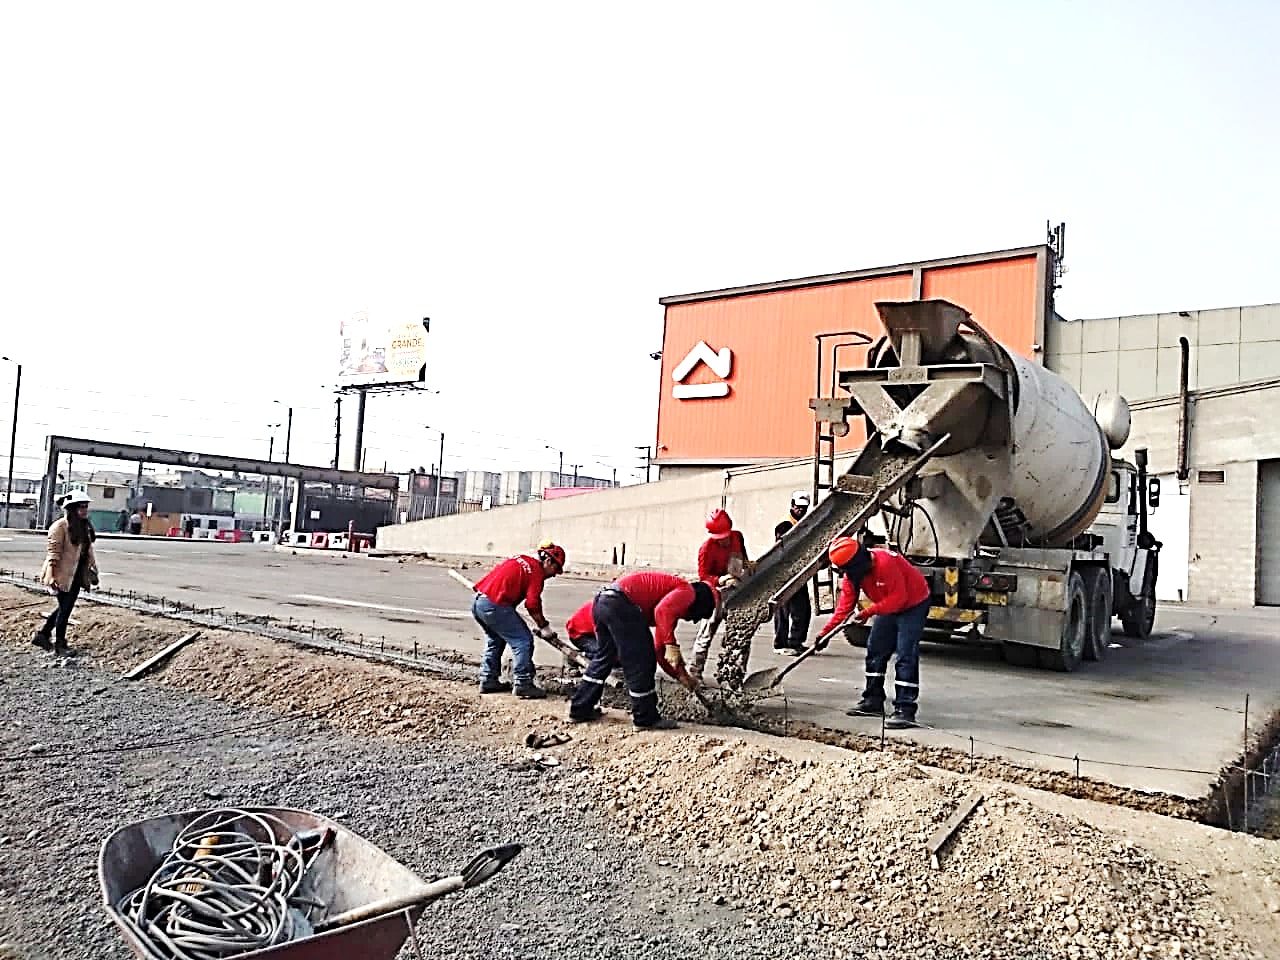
<point>405,901</point>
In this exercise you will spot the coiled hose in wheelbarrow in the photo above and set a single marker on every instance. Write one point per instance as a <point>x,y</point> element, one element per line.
<point>228,886</point>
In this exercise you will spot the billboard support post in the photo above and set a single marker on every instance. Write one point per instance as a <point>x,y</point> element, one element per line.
<point>360,426</point>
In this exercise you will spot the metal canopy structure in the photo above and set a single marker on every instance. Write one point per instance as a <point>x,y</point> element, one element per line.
<point>193,459</point>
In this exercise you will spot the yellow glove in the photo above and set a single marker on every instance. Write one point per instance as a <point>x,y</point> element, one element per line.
<point>671,654</point>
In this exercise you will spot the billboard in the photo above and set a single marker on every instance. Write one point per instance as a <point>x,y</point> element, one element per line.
<point>381,352</point>
<point>740,365</point>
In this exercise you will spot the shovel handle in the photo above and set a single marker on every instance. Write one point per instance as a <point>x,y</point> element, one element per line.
<point>819,644</point>
<point>406,901</point>
<point>462,580</point>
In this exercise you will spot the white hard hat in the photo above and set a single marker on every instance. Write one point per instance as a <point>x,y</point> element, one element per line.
<point>800,498</point>
<point>75,498</point>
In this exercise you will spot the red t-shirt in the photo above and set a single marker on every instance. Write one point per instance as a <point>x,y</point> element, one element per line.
<point>513,580</point>
<point>714,555</point>
<point>581,623</point>
<point>892,585</point>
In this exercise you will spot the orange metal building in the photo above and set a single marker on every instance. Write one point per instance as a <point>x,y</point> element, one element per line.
<point>739,365</point>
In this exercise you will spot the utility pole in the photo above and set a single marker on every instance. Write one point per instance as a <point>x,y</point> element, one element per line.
<point>648,460</point>
<point>435,511</point>
<point>271,452</point>
<point>615,476</point>
<point>575,473</point>
<point>359,453</point>
<point>284,483</point>
<point>337,432</point>
<point>13,439</point>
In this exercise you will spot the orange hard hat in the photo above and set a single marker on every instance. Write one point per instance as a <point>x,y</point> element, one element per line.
<point>719,525</point>
<point>842,550</point>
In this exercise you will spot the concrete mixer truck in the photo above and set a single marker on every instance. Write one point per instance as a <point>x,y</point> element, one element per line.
<point>996,479</point>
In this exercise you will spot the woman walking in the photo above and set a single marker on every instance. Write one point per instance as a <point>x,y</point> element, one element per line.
<point>69,565</point>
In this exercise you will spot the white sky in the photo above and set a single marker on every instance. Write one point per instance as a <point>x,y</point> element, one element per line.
<point>194,196</point>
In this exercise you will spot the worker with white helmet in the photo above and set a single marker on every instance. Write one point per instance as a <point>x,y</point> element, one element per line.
<point>69,566</point>
<point>791,619</point>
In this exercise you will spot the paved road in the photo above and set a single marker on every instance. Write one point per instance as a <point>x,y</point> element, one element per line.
<point>1175,701</point>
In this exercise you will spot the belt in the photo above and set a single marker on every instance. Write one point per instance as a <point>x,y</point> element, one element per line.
<point>613,589</point>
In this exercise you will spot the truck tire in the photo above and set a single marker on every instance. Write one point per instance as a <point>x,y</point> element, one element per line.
<point>1140,619</point>
<point>1075,629</point>
<point>1099,591</point>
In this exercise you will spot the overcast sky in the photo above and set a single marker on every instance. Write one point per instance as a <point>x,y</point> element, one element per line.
<point>194,196</point>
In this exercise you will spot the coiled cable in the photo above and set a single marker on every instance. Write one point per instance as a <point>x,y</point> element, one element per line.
<point>228,886</point>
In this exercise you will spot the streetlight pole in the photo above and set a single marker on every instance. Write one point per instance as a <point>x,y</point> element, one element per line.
<point>13,439</point>
<point>435,510</point>
<point>560,473</point>
<point>271,452</point>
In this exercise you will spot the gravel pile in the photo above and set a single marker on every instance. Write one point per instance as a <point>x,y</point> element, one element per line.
<point>842,846</point>
<point>639,845</point>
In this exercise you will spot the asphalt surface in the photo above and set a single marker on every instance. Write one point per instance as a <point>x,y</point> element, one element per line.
<point>1165,715</point>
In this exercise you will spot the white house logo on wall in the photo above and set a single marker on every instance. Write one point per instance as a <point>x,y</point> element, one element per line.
<point>720,363</point>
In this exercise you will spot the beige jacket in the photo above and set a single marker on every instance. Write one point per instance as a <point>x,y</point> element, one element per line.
<point>62,557</point>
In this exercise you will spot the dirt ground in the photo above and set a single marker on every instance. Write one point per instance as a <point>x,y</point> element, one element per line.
<point>773,829</point>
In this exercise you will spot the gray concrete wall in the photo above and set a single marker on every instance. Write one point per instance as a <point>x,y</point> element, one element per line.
<point>1139,357</point>
<point>661,524</point>
<point>1231,429</point>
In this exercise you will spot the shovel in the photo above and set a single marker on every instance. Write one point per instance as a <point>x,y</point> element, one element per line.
<point>570,651</point>
<point>482,868</point>
<point>763,681</point>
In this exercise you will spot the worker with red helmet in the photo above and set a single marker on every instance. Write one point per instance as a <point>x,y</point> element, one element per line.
<point>494,608</point>
<point>722,561</point>
<point>623,615</point>
<point>899,596</point>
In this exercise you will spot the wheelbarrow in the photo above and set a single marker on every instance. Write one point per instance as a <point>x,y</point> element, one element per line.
<point>366,902</point>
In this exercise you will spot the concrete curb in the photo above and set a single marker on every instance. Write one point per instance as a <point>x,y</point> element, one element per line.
<point>603,573</point>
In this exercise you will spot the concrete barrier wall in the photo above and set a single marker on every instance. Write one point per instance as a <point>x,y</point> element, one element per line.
<point>661,524</point>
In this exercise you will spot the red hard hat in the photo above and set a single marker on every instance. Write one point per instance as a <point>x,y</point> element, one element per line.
<point>842,550</point>
<point>550,551</point>
<point>718,524</point>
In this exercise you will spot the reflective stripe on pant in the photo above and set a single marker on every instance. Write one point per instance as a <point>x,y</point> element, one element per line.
<point>504,627</point>
<point>896,633</point>
<point>622,636</point>
<point>56,624</point>
<point>791,621</point>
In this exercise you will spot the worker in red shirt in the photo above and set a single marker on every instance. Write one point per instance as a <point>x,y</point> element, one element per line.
<point>581,629</point>
<point>623,614</point>
<point>722,561</point>
<point>514,580</point>
<point>899,596</point>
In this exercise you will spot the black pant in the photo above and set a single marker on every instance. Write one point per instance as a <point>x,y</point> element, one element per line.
<point>791,621</point>
<point>58,619</point>
<point>622,636</point>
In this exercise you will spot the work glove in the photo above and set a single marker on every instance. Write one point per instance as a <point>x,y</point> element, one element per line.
<point>728,580</point>
<point>547,633</point>
<point>671,654</point>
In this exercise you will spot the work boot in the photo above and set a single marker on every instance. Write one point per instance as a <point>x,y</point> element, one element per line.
<point>62,650</point>
<point>494,686</point>
<point>901,719</point>
<point>529,691</point>
<point>865,708</point>
<point>41,640</point>
<point>662,723</point>
<point>596,714</point>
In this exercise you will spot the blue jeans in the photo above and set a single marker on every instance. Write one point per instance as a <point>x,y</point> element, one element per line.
<point>504,627</point>
<point>900,633</point>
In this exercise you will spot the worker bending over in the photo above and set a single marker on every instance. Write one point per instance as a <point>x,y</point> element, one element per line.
<point>623,615</point>
<point>494,607</point>
<point>722,562</point>
<point>899,596</point>
<point>791,619</point>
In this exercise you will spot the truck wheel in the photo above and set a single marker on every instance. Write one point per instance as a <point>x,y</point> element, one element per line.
<point>1098,588</point>
<point>1020,655</point>
<point>1140,619</point>
<point>1075,629</point>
